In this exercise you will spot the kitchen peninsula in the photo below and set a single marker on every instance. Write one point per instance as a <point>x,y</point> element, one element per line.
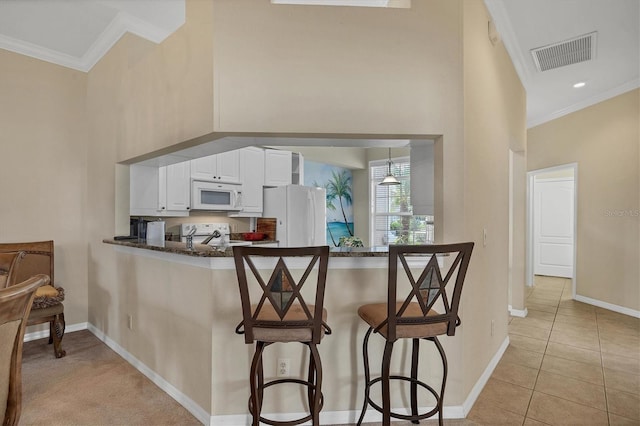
<point>193,294</point>
<point>203,250</point>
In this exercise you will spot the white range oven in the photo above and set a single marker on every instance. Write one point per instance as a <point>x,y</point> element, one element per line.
<point>215,196</point>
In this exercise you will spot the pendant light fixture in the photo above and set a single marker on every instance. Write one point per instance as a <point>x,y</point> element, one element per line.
<point>389,179</point>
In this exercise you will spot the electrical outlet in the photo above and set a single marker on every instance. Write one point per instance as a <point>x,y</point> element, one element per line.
<point>493,326</point>
<point>283,367</point>
<point>130,322</point>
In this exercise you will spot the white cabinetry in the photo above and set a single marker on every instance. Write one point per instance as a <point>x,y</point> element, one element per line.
<point>177,186</point>
<point>277,167</point>
<point>166,191</point>
<point>159,191</point>
<point>204,167</point>
<point>297,169</point>
<point>223,167</point>
<point>252,178</point>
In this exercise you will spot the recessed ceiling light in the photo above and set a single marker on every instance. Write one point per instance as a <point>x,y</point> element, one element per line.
<point>579,85</point>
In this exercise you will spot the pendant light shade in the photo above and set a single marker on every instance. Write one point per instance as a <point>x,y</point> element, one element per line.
<point>389,179</point>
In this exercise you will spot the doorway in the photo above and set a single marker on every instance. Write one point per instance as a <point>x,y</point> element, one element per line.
<point>551,223</point>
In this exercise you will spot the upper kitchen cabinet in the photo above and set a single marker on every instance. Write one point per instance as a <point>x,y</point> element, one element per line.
<point>177,184</point>
<point>277,167</point>
<point>159,191</point>
<point>297,169</point>
<point>252,177</point>
<point>223,167</point>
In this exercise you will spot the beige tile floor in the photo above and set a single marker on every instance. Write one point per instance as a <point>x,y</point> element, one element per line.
<point>568,363</point>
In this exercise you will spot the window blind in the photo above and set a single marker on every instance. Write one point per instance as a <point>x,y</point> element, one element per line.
<point>392,221</point>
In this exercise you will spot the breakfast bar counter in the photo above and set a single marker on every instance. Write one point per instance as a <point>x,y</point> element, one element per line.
<point>202,250</point>
<point>184,307</point>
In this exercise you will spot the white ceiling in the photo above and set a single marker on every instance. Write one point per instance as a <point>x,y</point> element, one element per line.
<point>76,33</point>
<point>528,24</point>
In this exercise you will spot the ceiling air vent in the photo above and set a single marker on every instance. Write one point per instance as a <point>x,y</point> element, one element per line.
<point>573,51</point>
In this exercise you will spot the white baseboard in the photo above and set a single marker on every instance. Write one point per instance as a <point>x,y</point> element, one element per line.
<point>521,313</point>
<point>609,306</point>
<point>334,417</point>
<point>197,411</point>
<point>326,417</point>
<point>484,378</point>
<point>350,417</point>
<point>35,335</point>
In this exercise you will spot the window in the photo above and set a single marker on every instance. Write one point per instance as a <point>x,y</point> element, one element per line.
<point>392,221</point>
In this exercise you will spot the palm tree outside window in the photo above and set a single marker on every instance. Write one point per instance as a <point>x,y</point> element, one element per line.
<point>392,221</point>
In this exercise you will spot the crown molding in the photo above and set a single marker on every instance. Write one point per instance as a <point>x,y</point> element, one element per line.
<point>121,24</point>
<point>39,52</point>
<point>503,25</point>
<point>616,91</point>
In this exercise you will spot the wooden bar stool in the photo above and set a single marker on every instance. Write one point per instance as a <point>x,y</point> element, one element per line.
<point>415,318</point>
<point>280,314</point>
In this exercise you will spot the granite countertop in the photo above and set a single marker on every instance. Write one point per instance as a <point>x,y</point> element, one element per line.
<point>201,250</point>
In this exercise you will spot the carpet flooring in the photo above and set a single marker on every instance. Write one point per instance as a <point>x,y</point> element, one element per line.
<point>92,385</point>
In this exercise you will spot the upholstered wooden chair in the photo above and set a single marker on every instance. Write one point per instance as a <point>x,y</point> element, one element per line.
<point>426,272</point>
<point>8,267</point>
<point>15,305</point>
<point>278,313</point>
<point>47,304</point>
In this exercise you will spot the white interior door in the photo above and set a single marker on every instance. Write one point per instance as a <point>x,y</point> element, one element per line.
<point>553,227</point>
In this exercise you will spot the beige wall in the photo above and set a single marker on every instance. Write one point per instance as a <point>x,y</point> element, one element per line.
<point>604,140</point>
<point>494,122</point>
<point>44,167</point>
<point>143,97</point>
<point>280,68</point>
<point>361,204</point>
<point>158,95</point>
<point>518,231</point>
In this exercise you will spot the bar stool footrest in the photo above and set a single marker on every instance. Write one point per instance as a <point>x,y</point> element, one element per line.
<point>412,418</point>
<point>293,422</point>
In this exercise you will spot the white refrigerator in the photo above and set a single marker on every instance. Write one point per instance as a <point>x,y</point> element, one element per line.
<point>300,212</point>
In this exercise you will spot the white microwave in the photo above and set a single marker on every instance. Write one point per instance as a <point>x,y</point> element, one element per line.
<point>207,195</point>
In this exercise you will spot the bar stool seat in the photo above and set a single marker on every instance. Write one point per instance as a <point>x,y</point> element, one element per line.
<point>375,315</point>
<point>285,334</point>
<point>415,317</point>
<point>282,315</point>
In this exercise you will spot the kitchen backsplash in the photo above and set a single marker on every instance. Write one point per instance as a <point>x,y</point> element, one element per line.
<point>172,224</point>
